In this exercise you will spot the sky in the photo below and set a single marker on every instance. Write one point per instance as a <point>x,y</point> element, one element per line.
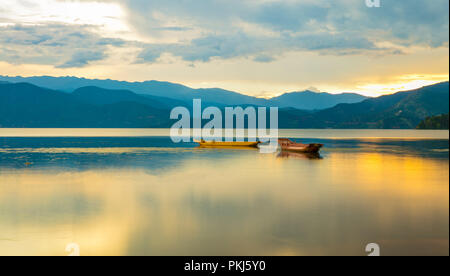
<point>261,48</point>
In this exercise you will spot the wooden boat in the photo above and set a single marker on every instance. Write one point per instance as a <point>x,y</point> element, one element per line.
<point>288,145</point>
<point>214,144</point>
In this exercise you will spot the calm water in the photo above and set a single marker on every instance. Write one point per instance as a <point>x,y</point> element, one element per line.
<point>134,192</point>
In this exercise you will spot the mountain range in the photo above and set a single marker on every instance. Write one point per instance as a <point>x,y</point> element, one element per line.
<point>305,100</point>
<point>402,110</point>
<point>309,100</point>
<point>28,105</point>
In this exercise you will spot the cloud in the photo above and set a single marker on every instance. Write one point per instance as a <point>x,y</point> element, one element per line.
<point>61,45</point>
<point>264,58</point>
<point>82,58</point>
<point>260,49</point>
<point>263,31</point>
<point>328,27</point>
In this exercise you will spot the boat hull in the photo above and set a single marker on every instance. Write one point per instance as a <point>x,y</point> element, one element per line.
<point>214,144</point>
<point>311,148</point>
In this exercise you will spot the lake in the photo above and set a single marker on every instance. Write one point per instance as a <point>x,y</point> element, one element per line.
<point>134,192</point>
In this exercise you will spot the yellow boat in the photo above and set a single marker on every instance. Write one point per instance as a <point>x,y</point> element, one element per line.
<point>214,144</point>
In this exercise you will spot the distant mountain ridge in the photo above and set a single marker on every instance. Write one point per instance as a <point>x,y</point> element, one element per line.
<point>308,100</point>
<point>402,110</point>
<point>27,105</point>
<point>24,105</point>
<point>301,100</point>
<point>99,96</point>
<point>152,88</point>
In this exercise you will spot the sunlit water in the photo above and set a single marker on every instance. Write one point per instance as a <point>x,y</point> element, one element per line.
<point>144,195</point>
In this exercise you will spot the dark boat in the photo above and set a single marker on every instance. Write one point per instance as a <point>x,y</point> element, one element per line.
<point>288,145</point>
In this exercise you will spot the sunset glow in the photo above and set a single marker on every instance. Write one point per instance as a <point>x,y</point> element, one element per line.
<point>249,50</point>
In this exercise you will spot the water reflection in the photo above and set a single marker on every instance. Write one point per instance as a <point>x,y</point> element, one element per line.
<point>159,200</point>
<point>298,155</point>
<point>156,153</point>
